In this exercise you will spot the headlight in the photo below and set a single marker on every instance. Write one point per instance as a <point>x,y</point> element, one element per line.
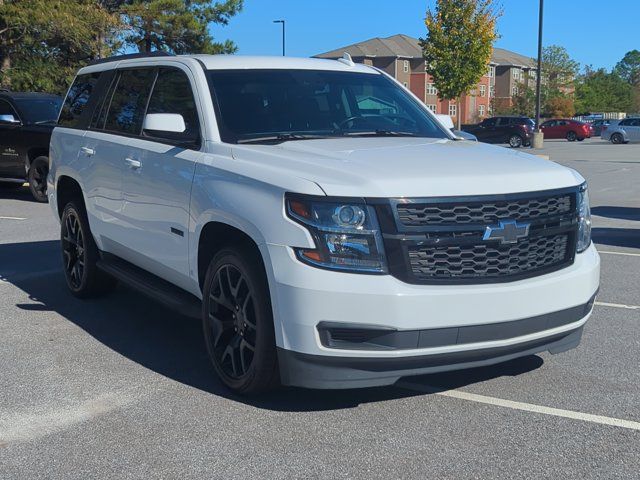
<point>584,220</point>
<point>346,233</point>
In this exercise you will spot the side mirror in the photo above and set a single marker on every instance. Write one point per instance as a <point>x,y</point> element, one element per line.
<point>164,123</point>
<point>9,120</point>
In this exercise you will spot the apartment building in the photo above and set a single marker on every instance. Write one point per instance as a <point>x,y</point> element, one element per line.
<point>401,57</point>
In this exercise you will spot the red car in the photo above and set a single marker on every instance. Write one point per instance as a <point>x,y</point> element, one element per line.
<point>572,130</point>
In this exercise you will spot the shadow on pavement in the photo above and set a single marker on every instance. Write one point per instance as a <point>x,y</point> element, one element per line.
<point>623,213</point>
<point>617,237</point>
<point>173,346</point>
<point>20,193</point>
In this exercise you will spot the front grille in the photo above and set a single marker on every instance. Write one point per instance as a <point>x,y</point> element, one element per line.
<point>488,261</point>
<point>440,240</point>
<point>421,214</point>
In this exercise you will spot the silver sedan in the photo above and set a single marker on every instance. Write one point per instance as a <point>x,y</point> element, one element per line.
<point>622,131</point>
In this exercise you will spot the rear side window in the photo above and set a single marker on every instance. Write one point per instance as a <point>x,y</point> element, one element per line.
<point>129,101</point>
<point>7,109</point>
<point>172,94</point>
<point>77,98</point>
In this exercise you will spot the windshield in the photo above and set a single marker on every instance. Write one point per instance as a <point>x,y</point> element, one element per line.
<point>40,110</point>
<point>257,106</point>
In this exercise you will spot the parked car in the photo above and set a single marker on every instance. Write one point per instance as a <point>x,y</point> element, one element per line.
<point>572,130</point>
<point>448,123</point>
<point>516,131</point>
<point>321,245</point>
<point>598,125</point>
<point>26,123</point>
<point>622,131</point>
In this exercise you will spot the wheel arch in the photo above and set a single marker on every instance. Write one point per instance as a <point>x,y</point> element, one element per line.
<point>67,189</point>
<point>34,153</point>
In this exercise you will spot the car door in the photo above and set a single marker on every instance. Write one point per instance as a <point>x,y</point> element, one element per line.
<point>157,181</point>
<point>106,147</point>
<point>486,130</point>
<point>12,163</point>
<point>548,128</point>
<point>633,130</point>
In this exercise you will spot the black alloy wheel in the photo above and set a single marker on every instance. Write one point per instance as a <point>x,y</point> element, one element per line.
<point>38,178</point>
<point>571,136</point>
<point>238,323</point>
<point>617,139</point>
<point>73,250</point>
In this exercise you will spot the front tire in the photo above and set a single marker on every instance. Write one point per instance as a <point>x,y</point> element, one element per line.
<point>37,178</point>
<point>238,322</point>
<point>515,141</point>
<point>80,254</point>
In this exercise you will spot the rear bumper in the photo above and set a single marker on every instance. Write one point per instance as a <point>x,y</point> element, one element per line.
<point>323,372</point>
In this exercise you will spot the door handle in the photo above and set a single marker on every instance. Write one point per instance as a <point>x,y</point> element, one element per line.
<point>134,164</point>
<point>88,151</point>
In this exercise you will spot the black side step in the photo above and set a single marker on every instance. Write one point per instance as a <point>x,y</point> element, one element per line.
<point>151,285</point>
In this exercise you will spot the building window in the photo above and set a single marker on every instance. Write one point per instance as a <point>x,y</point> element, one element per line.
<point>431,89</point>
<point>453,110</point>
<point>533,74</point>
<point>514,90</point>
<point>492,91</point>
<point>491,72</point>
<point>405,84</point>
<point>432,107</point>
<point>517,73</point>
<point>481,110</point>
<point>406,66</point>
<point>483,90</point>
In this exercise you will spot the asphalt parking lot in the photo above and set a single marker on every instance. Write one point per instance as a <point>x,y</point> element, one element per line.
<point>121,388</point>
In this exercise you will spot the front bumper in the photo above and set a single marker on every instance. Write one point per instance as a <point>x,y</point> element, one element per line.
<point>489,317</point>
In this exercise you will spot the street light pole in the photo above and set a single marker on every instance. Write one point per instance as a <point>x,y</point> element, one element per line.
<point>283,36</point>
<point>538,136</point>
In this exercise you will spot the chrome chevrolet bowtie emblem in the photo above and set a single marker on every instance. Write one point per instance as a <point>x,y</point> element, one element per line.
<point>507,231</point>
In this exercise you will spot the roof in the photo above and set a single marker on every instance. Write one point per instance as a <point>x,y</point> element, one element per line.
<point>234,62</point>
<point>409,47</point>
<point>26,95</point>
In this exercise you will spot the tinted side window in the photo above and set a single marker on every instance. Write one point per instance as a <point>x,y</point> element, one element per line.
<point>489,122</point>
<point>77,98</point>
<point>7,109</point>
<point>623,123</point>
<point>129,101</point>
<point>172,94</point>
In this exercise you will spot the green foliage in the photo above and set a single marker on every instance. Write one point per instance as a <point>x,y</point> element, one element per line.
<point>601,91</point>
<point>459,42</point>
<point>559,70</point>
<point>178,26</point>
<point>629,67</point>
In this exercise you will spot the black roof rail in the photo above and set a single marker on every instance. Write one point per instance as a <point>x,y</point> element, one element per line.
<point>130,56</point>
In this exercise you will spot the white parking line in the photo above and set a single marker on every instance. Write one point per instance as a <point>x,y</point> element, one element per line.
<point>620,253</point>
<point>12,218</point>
<point>618,305</point>
<point>526,407</point>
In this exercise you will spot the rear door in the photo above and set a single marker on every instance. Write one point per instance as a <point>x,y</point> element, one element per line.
<point>486,131</point>
<point>157,181</point>
<point>633,130</point>
<point>108,145</point>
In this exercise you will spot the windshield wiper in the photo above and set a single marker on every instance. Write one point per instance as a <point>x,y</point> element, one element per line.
<point>380,133</point>
<point>281,137</point>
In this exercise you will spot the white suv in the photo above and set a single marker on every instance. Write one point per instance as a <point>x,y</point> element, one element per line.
<point>328,230</point>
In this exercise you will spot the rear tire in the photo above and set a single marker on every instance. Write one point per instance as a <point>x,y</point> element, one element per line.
<point>80,254</point>
<point>571,136</point>
<point>37,176</point>
<point>580,139</point>
<point>237,320</point>
<point>617,138</point>
<point>515,141</point>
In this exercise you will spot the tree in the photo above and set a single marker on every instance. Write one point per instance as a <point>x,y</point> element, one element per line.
<point>458,45</point>
<point>559,70</point>
<point>178,26</point>
<point>559,107</point>
<point>601,91</point>
<point>629,67</point>
<point>44,42</point>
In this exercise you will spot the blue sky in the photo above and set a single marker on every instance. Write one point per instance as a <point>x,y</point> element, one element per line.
<point>596,32</point>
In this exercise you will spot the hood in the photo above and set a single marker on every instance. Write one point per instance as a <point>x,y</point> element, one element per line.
<point>409,167</point>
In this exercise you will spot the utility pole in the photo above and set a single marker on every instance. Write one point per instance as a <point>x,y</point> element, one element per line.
<point>538,136</point>
<point>283,37</point>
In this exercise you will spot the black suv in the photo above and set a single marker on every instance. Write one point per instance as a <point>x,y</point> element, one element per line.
<point>514,130</point>
<point>26,123</point>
